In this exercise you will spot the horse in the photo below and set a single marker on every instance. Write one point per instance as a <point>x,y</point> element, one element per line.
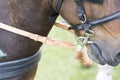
<point>31,15</point>
<point>105,48</point>
<point>21,54</point>
<point>101,54</point>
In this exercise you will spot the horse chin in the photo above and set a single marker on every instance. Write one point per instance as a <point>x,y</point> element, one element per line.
<point>113,63</point>
<point>96,54</point>
<point>99,57</point>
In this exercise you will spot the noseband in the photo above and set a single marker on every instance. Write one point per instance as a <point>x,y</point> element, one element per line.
<point>85,24</point>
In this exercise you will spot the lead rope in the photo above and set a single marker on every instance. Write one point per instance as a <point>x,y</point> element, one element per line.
<point>82,40</point>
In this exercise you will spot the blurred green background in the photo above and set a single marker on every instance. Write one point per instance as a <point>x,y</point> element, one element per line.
<point>59,63</point>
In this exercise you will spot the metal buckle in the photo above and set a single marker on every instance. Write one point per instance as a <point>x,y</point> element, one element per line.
<point>84,40</point>
<point>84,18</point>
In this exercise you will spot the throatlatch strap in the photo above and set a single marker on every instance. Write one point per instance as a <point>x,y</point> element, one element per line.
<point>80,10</point>
<point>96,1</point>
<point>58,5</point>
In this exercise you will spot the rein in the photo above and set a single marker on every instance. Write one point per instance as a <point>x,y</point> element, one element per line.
<point>37,37</point>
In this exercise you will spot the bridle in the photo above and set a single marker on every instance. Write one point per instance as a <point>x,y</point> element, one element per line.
<point>85,24</point>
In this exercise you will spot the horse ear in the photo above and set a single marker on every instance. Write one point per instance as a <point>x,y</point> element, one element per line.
<point>96,1</point>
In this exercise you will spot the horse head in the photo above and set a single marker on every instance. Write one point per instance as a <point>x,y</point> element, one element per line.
<point>106,46</point>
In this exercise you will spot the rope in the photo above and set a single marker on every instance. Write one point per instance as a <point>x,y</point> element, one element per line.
<point>37,37</point>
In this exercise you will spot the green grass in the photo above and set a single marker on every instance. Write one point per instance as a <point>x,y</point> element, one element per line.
<point>58,63</point>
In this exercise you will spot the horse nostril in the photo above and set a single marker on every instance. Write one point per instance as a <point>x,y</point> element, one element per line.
<point>118,57</point>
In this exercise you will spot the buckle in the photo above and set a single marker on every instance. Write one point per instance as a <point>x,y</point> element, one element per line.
<point>83,18</point>
<point>84,40</point>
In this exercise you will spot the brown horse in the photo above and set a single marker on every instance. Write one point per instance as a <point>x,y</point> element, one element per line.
<point>38,16</point>
<point>106,35</point>
<point>32,15</point>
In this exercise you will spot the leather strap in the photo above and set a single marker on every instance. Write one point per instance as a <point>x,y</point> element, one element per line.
<point>86,25</point>
<point>96,22</point>
<point>80,10</point>
<point>18,67</point>
<point>58,5</point>
<point>96,1</point>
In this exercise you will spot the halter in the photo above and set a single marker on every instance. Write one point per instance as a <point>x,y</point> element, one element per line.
<point>85,24</point>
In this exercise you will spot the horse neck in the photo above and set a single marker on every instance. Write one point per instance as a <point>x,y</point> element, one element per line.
<point>31,15</point>
<point>4,12</point>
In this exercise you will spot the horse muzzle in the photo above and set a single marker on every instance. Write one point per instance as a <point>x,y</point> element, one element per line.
<point>98,56</point>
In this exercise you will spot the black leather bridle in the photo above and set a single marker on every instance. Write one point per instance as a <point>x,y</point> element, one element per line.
<point>85,24</point>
